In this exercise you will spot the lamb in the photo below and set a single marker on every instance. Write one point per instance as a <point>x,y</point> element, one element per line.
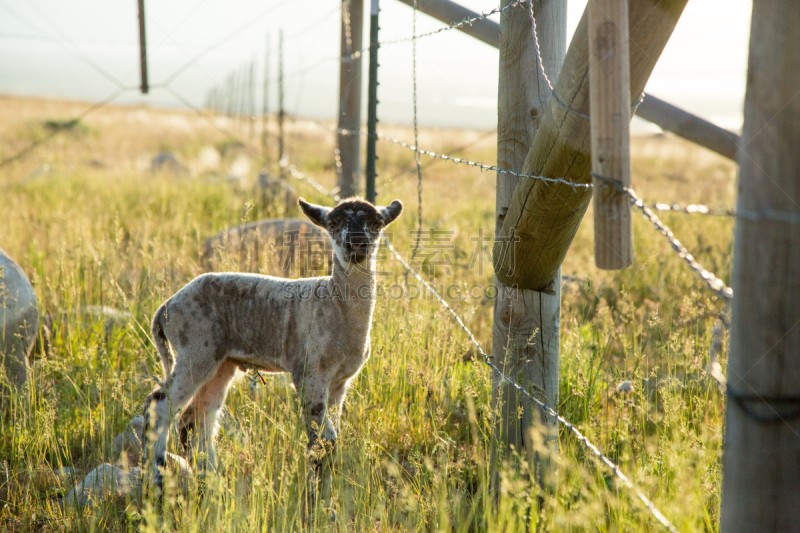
<point>318,329</point>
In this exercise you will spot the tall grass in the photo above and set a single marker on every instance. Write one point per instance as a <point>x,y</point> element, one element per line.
<point>417,428</point>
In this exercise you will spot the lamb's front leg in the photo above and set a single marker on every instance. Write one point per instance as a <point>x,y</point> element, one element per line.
<point>321,436</point>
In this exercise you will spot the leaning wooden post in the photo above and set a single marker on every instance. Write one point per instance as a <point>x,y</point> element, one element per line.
<point>526,323</point>
<point>610,102</point>
<point>543,217</point>
<point>760,467</point>
<point>350,96</point>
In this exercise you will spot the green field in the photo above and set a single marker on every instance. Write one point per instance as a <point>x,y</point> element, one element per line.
<point>92,224</point>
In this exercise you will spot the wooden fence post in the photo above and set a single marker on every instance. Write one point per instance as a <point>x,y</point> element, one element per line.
<point>281,113</point>
<point>526,323</point>
<point>372,105</point>
<point>251,99</point>
<point>761,471</point>
<point>543,217</point>
<point>610,104</point>
<point>265,103</point>
<point>350,96</point>
<point>142,50</point>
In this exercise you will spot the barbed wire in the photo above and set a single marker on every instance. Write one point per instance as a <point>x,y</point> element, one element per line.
<point>299,175</point>
<point>541,405</point>
<point>457,160</point>
<point>700,209</point>
<point>744,401</point>
<point>693,209</point>
<point>488,361</point>
<point>415,251</point>
<point>713,282</point>
<point>483,166</point>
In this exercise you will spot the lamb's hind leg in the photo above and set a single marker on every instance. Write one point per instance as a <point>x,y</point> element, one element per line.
<point>200,417</point>
<point>188,375</point>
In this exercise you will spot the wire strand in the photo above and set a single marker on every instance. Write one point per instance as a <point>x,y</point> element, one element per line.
<point>415,251</point>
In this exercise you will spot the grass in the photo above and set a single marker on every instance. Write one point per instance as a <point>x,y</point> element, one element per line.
<point>91,224</point>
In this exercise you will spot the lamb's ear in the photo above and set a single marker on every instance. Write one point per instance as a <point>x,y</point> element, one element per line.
<point>391,212</point>
<point>316,213</point>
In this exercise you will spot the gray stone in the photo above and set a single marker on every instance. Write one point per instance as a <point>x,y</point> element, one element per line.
<point>625,386</point>
<point>165,161</point>
<point>108,481</point>
<point>19,319</point>
<point>113,318</point>
<point>290,246</point>
<point>102,482</point>
<point>130,442</point>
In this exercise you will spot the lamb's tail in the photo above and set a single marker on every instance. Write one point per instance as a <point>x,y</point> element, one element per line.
<point>160,339</point>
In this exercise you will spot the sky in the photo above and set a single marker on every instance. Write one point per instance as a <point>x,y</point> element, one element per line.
<point>86,49</point>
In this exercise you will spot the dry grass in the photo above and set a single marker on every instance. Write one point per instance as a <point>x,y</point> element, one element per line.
<point>91,223</point>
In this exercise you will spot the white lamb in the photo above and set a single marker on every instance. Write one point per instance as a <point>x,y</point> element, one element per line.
<point>318,329</point>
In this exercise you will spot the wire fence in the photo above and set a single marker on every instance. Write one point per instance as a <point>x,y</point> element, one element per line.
<point>715,284</point>
<point>712,281</point>
<point>487,359</point>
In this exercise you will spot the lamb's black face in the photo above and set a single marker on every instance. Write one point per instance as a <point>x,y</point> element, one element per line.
<point>355,225</point>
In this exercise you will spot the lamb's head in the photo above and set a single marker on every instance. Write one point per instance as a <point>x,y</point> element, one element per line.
<point>355,225</point>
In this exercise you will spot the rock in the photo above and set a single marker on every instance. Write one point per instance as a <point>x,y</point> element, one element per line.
<point>55,324</point>
<point>110,481</point>
<point>104,311</point>
<point>165,162</point>
<point>130,442</point>
<point>104,481</point>
<point>114,318</point>
<point>292,247</point>
<point>19,319</point>
<point>625,386</point>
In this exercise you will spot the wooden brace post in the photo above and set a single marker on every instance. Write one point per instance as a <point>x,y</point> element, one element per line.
<point>609,99</point>
<point>543,217</point>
